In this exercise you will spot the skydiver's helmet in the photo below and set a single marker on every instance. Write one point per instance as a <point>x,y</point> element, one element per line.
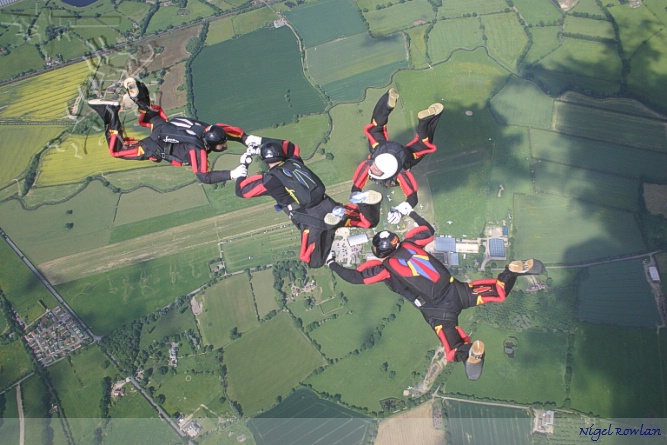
<point>387,164</point>
<point>214,137</point>
<point>271,152</point>
<point>384,243</point>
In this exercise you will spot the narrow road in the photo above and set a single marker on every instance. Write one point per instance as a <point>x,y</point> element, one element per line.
<point>19,406</point>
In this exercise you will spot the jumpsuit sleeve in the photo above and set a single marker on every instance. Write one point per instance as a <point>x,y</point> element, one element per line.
<point>360,177</point>
<point>368,273</point>
<point>409,186</point>
<point>235,134</point>
<point>199,164</point>
<point>251,187</point>
<point>423,233</point>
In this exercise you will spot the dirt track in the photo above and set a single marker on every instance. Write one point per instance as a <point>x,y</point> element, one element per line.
<point>413,426</point>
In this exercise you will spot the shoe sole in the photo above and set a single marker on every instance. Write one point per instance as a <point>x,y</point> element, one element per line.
<point>477,350</point>
<point>111,103</point>
<point>372,197</point>
<point>131,86</point>
<point>528,267</point>
<point>331,219</point>
<point>393,98</point>
<point>433,110</point>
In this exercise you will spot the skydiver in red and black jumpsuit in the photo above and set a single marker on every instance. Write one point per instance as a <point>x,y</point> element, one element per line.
<point>389,162</point>
<point>407,269</point>
<point>315,214</point>
<point>180,141</point>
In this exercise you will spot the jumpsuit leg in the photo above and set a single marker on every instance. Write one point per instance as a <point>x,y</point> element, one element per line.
<point>376,131</point>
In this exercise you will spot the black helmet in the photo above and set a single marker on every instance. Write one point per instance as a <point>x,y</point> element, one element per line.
<point>214,136</point>
<point>271,152</point>
<point>384,243</point>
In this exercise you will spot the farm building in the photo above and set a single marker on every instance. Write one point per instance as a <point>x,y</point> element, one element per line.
<point>445,244</point>
<point>653,273</point>
<point>355,240</point>
<point>497,248</point>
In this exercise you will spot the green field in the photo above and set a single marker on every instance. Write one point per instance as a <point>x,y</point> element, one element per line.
<point>226,305</point>
<point>596,60</point>
<point>604,294</point>
<point>562,230</point>
<point>109,300</point>
<point>590,7</point>
<point>9,428</point>
<point>450,9</point>
<point>252,382</point>
<point>600,379</point>
<point>28,297</point>
<point>145,203</point>
<point>279,95</point>
<point>172,323</point>
<point>647,71</point>
<point>342,20</point>
<point>170,16</point>
<point>636,26</point>
<point>545,40</point>
<point>538,12</point>
<point>595,28</point>
<point>292,422</point>
<point>15,363</point>
<point>34,394</point>
<point>506,39</point>
<point>449,35</point>
<point>523,103</point>
<point>265,294</point>
<point>345,68</point>
<point>253,20</point>
<point>220,30</point>
<point>398,16</point>
<point>473,423</point>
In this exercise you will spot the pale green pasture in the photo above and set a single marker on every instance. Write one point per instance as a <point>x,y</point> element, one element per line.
<point>265,294</point>
<point>220,30</point>
<point>15,363</point>
<point>535,12</point>
<point>446,36</point>
<point>176,321</point>
<point>21,287</point>
<point>506,39</point>
<point>95,32</point>
<point>351,56</point>
<point>545,40</point>
<point>600,379</point>
<point>186,392</point>
<point>21,59</point>
<point>256,249</point>
<point>457,9</point>
<point>589,7</point>
<point>531,375</point>
<point>307,132</point>
<point>156,176</point>
<point>364,310</point>
<point>636,25</point>
<point>80,156</point>
<point>598,156</point>
<point>610,126</point>
<point>42,233</point>
<point>111,299</point>
<point>523,103</point>
<point>226,305</point>
<point>464,83</point>
<point>596,60</point>
<point>69,45</point>
<point>604,294</point>
<point>78,383</point>
<point>19,143</point>
<point>9,428</point>
<point>617,104</point>
<point>591,186</point>
<point>134,10</point>
<point>268,362</point>
<point>460,193</point>
<point>589,27</point>
<point>399,16</point>
<point>418,47</point>
<point>57,193</point>
<point>116,21</point>
<point>360,379</point>
<point>35,409</point>
<point>342,19</point>
<point>253,20</point>
<point>146,203</point>
<point>657,7</point>
<point>648,68</point>
<point>511,168</point>
<point>169,15</point>
<point>564,230</point>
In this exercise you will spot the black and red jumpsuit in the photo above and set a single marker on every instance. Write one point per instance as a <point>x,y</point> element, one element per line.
<point>316,236</point>
<point>152,148</point>
<point>407,155</point>
<point>422,279</point>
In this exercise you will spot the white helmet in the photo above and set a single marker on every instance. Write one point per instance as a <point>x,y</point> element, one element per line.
<point>387,163</point>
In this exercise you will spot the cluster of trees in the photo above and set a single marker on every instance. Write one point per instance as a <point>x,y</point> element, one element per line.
<point>123,345</point>
<point>194,48</point>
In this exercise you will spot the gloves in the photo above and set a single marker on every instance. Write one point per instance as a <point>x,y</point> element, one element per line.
<point>404,208</point>
<point>253,143</point>
<point>394,216</point>
<point>239,172</point>
<point>246,159</point>
<point>331,258</point>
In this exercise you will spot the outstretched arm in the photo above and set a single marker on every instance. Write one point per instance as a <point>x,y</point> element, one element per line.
<point>423,233</point>
<point>368,273</point>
